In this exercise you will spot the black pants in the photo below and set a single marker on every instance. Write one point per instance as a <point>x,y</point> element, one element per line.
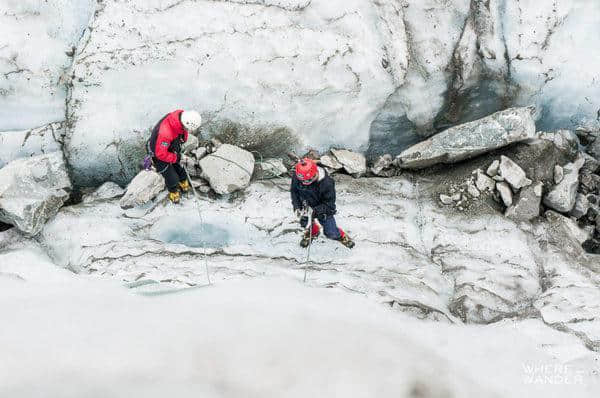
<point>173,173</point>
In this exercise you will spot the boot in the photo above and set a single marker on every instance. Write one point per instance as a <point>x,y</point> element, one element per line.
<point>346,241</point>
<point>174,197</point>
<point>184,186</point>
<point>306,237</point>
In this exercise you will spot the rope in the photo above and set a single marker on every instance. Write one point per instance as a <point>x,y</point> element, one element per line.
<point>307,211</point>
<point>197,201</point>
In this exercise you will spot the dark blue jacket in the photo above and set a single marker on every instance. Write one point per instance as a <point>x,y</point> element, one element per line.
<point>320,195</point>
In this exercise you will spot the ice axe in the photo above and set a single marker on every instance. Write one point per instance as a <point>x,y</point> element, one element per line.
<point>306,212</point>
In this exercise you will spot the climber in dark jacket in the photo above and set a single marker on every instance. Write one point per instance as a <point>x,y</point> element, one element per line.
<point>165,147</point>
<point>314,188</point>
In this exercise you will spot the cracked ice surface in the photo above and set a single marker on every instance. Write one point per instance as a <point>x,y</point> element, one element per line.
<point>411,254</point>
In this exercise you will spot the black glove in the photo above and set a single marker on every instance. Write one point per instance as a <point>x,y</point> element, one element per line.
<point>321,212</point>
<point>303,221</point>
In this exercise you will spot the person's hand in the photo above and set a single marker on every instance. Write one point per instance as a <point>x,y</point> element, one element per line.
<point>298,213</point>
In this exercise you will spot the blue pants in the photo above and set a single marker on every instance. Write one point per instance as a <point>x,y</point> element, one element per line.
<point>330,228</point>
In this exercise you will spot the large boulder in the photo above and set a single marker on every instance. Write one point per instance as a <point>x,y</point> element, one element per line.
<point>228,169</point>
<point>269,168</point>
<point>107,191</point>
<point>353,162</point>
<point>142,189</point>
<point>563,195</point>
<point>32,190</point>
<point>471,139</point>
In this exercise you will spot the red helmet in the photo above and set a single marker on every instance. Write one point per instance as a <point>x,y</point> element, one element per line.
<point>306,170</point>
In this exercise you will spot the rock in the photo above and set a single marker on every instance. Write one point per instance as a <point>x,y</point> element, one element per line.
<point>32,190</point>
<point>559,174</point>
<point>382,163</point>
<point>20,144</point>
<point>526,203</point>
<point>471,139</point>
<point>562,196</point>
<point>330,162</point>
<point>513,174</point>
<point>473,191</point>
<point>498,178</point>
<point>191,165</point>
<point>565,233</point>
<point>190,145</point>
<point>505,193</point>
<point>483,182</point>
<point>200,152</point>
<point>108,190</point>
<point>354,163</point>
<point>565,140</point>
<point>445,199</point>
<point>591,246</point>
<point>591,164</point>
<point>142,189</point>
<point>589,182</point>
<point>228,169</point>
<point>582,205</point>
<point>269,168</point>
<point>456,197</point>
<point>493,169</point>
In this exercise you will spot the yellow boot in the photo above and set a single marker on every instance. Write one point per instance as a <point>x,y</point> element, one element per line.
<point>174,197</point>
<point>184,186</point>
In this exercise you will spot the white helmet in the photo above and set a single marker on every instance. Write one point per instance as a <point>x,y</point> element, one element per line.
<point>191,120</point>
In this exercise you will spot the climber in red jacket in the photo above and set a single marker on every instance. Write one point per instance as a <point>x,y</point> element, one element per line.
<point>165,147</point>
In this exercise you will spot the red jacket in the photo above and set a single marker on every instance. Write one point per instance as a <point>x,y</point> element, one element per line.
<point>170,129</point>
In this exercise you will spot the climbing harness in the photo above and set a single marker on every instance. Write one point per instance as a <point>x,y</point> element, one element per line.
<point>201,222</point>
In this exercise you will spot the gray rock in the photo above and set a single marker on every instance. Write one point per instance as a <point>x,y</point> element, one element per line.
<point>456,197</point>
<point>200,152</point>
<point>382,163</point>
<point>505,193</point>
<point>191,165</point>
<point>108,190</point>
<point>591,164</point>
<point>526,203</point>
<point>565,140</point>
<point>228,169</point>
<point>562,196</point>
<point>565,233</point>
<point>445,199</point>
<point>473,191</point>
<point>190,145</point>
<point>493,169</point>
<point>32,190</point>
<point>269,168</point>
<point>330,162</point>
<point>142,189</point>
<point>483,182</point>
<point>589,182</point>
<point>471,139</point>
<point>498,178</point>
<point>513,174</point>
<point>354,163</point>
<point>582,205</point>
<point>559,174</point>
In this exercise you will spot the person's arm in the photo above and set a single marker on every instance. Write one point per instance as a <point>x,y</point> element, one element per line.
<point>163,142</point>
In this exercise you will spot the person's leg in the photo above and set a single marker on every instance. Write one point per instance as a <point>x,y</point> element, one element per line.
<point>171,178</point>
<point>330,228</point>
